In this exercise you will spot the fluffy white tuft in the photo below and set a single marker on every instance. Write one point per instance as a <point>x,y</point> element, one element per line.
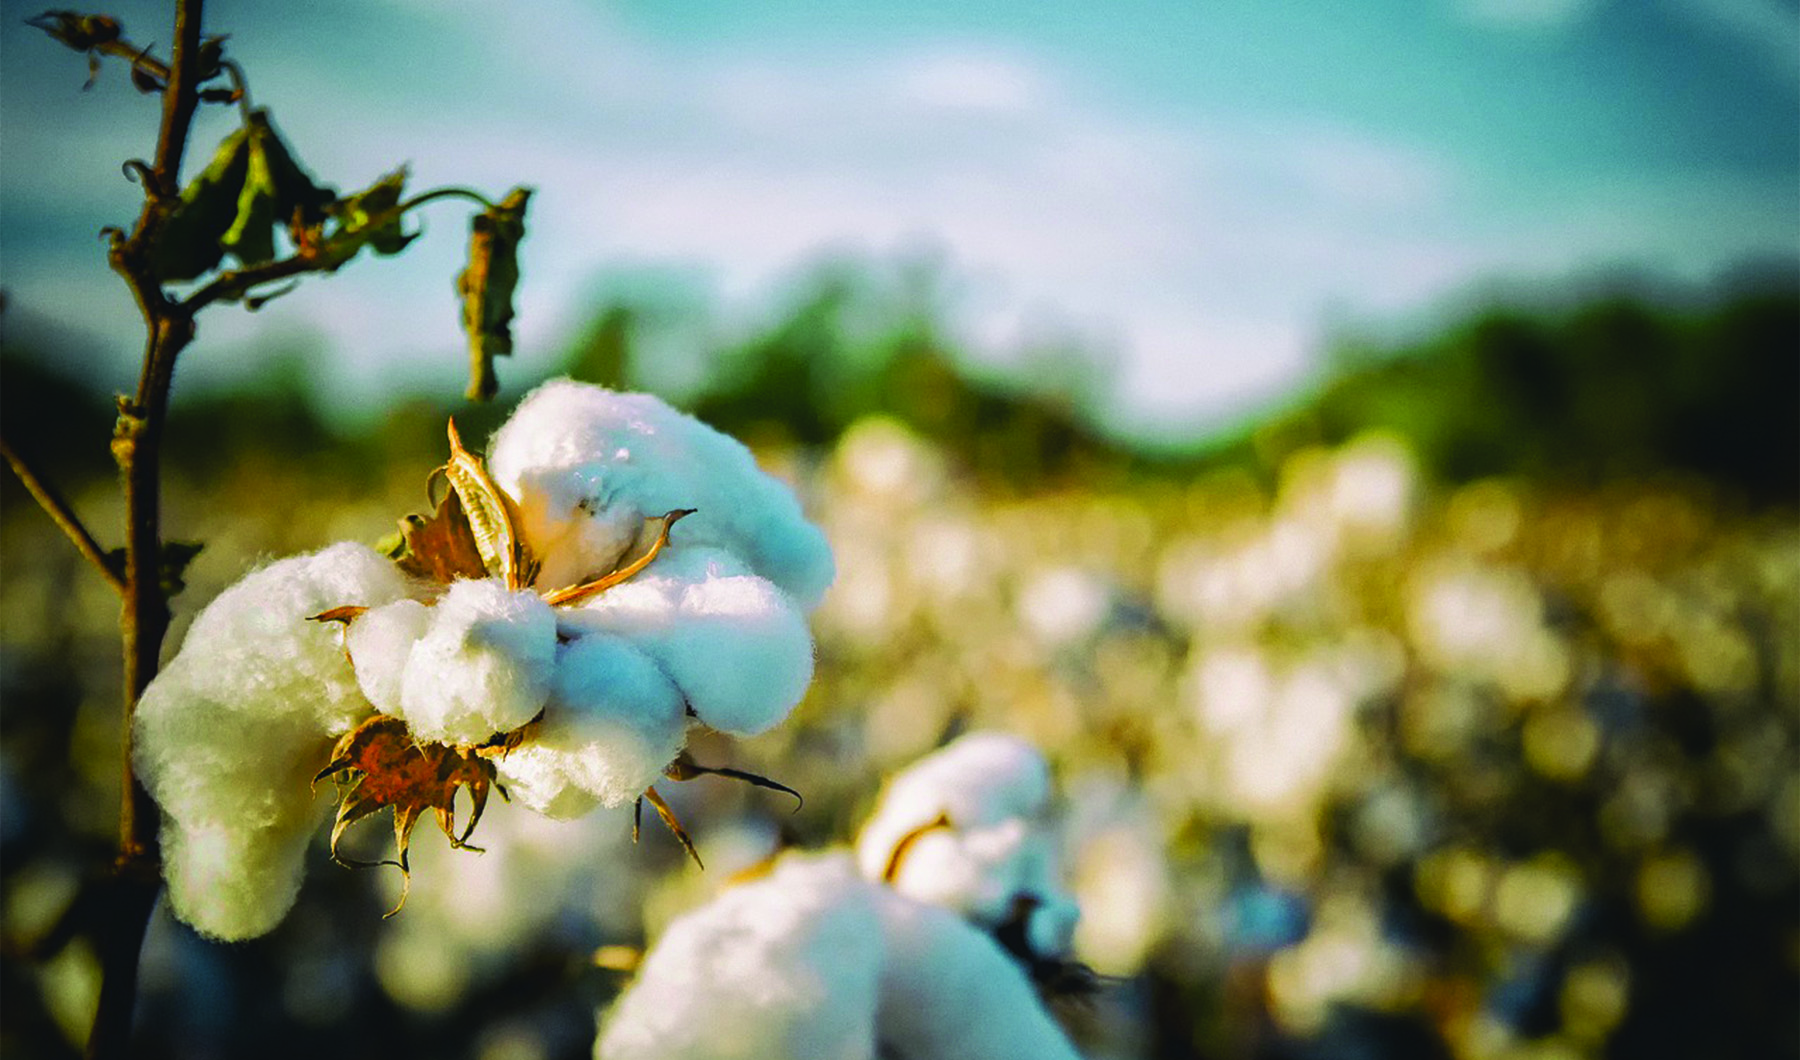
<point>380,642</point>
<point>949,992</point>
<point>483,666</point>
<point>970,819</point>
<point>737,648</point>
<point>784,967</point>
<point>813,961</point>
<point>229,735</point>
<point>612,723</point>
<point>587,464</point>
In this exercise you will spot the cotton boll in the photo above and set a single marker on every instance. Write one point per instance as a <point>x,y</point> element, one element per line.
<point>227,738</point>
<point>812,961</point>
<point>949,992</point>
<point>612,724</point>
<point>980,779</point>
<point>787,966</point>
<point>380,642</point>
<point>483,666</point>
<point>571,447</point>
<point>736,647</point>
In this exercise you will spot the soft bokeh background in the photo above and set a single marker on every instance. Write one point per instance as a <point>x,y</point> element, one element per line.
<point>1361,448</point>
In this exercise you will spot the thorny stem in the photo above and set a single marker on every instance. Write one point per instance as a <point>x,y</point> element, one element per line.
<point>59,511</point>
<point>144,619</point>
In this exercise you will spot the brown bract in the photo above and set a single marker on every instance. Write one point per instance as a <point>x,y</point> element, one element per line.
<point>384,767</point>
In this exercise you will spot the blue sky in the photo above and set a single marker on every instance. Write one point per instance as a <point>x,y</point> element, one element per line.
<point>1199,190</point>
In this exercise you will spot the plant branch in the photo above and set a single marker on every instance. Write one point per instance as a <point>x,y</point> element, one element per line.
<point>235,284</point>
<point>144,620</point>
<point>64,516</point>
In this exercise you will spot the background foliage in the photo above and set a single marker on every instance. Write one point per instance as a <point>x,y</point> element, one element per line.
<point>1450,711</point>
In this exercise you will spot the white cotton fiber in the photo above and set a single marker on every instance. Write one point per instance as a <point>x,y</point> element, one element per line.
<point>812,961</point>
<point>227,738</point>
<point>781,968</point>
<point>612,724</point>
<point>949,992</point>
<point>995,850</point>
<point>380,642</point>
<point>586,464</point>
<point>483,666</point>
<point>737,648</point>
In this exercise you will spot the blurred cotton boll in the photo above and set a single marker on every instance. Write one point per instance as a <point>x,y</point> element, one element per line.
<point>964,828</point>
<point>814,961</point>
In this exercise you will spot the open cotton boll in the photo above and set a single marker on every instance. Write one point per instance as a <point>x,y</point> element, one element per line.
<point>573,452</point>
<point>483,666</point>
<point>969,820</point>
<point>980,779</point>
<point>612,724</point>
<point>812,961</point>
<point>736,647</point>
<point>228,736</point>
<point>783,967</point>
<point>380,642</point>
<point>949,992</point>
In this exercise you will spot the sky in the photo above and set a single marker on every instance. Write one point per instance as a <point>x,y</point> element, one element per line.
<point>1201,192</point>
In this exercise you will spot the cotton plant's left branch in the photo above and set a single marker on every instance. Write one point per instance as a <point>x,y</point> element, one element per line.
<point>64,516</point>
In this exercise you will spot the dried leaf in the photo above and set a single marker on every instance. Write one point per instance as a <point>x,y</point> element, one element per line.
<point>78,31</point>
<point>442,548</point>
<point>346,614</point>
<point>575,594</point>
<point>486,286</point>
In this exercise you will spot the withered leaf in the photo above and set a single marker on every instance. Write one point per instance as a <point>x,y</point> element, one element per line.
<point>388,768</point>
<point>441,548</point>
<point>486,286</point>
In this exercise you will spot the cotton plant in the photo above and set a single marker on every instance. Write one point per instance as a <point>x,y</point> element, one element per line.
<point>612,573</point>
<point>934,938</point>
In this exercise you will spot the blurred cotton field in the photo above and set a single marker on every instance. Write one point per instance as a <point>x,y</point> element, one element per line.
<point>1351,760</point>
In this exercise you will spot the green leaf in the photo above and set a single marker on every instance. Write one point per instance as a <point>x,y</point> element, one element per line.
<point>367,218</point>
<point>487,285</point>
<point>276,191</point>
<point>188,243</point>
<point>176,555</point>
